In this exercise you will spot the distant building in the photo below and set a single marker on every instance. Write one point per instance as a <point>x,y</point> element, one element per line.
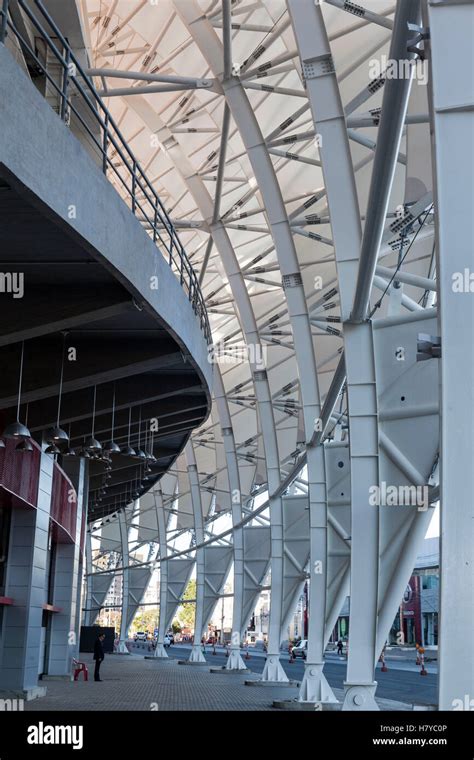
<point>417,617</point>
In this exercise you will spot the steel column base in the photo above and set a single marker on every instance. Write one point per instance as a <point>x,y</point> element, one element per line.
<point>197,655</point>
<point>226,672</point>
<point>297,706</point>
<point>160,652</point>
<point>360,696</point>
<point>235,661</point>
<point>314,687</point>
<point>122,648</point>
<point>273,670</point>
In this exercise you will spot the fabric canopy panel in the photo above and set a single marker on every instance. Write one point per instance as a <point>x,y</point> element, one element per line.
<point>408,399</point>
<point>147,519</point>
<point>110,539</point>
<point>138,580</point>
<point>295,552</point>
<point>100,585</point>
<point>256,562</point>
<point>217,562</point>
<point>179,572</point>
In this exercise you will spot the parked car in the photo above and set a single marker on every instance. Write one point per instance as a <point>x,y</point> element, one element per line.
<point>140,636</point>
<point>301,649</point>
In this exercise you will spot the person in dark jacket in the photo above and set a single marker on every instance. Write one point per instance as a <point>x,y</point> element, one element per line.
<point>98,656</point>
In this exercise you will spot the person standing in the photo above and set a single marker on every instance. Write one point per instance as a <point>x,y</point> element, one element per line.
<point>98,655</point>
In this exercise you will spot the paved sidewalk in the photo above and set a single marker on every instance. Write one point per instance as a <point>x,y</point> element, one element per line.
<point>132,683</point>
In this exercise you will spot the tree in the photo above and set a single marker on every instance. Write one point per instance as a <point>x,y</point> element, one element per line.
<point>187,612</point>
<point>145,620</point>
<point>175,626</point>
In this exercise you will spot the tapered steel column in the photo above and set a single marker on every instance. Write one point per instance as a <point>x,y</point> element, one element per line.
<point>452,88</point>
<point>260,159</point>
<point>199,622</point>
<point>230,264</point>
<point>160,650</point>
<point>234,661</point>
<point>122,647</point>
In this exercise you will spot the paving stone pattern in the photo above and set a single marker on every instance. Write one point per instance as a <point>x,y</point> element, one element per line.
<point>133,683</point>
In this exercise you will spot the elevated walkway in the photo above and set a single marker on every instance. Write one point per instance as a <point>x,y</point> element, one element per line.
<point>81,270</point>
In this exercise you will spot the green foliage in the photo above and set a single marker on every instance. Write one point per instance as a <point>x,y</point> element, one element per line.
<point>186,613</point>
<point>145,620</point>
<point>175,626</point>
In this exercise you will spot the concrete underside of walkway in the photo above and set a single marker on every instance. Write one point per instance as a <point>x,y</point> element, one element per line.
<point>133,683</point>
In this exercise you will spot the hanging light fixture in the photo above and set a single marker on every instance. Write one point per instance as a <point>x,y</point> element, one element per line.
<point>69,451</point>
<point>92,445</point>
<point>52,449</point>
<point>151,459</point>
<point>25,446</point>
<point>111,447</point>
<point>127,450</point>
<point>56,435</point>
<point>2,443</point>
<point>17,429</point>
<point>83,452</point>
<point>140,453</point>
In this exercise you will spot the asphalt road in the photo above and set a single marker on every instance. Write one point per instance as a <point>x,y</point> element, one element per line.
<point>403,685</point>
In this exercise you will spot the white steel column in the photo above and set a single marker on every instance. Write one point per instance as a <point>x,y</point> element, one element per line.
<point>160,650</point>
<point>203,200</point>
<point>254,142</point>
<point>88,617</point>
<point>330,125</point>
<point>452,82</point>
<point>122,647</point>
<point>199,623</point>
<point>234,661</point>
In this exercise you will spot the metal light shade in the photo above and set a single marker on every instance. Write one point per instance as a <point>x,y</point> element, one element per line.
<point>141,454</point>
<point>24,446</point>
<point>150,457</point>
<point>2,443</point>
<point>127,451</point>
<point>56,435</point>
<point>53,449</point>
<point>112,448</point>
<point>92,445</point>
<point>85,454</point>
<point>16,430</point>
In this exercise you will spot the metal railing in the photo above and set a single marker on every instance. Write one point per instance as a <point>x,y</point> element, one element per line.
<point>118,162</point>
